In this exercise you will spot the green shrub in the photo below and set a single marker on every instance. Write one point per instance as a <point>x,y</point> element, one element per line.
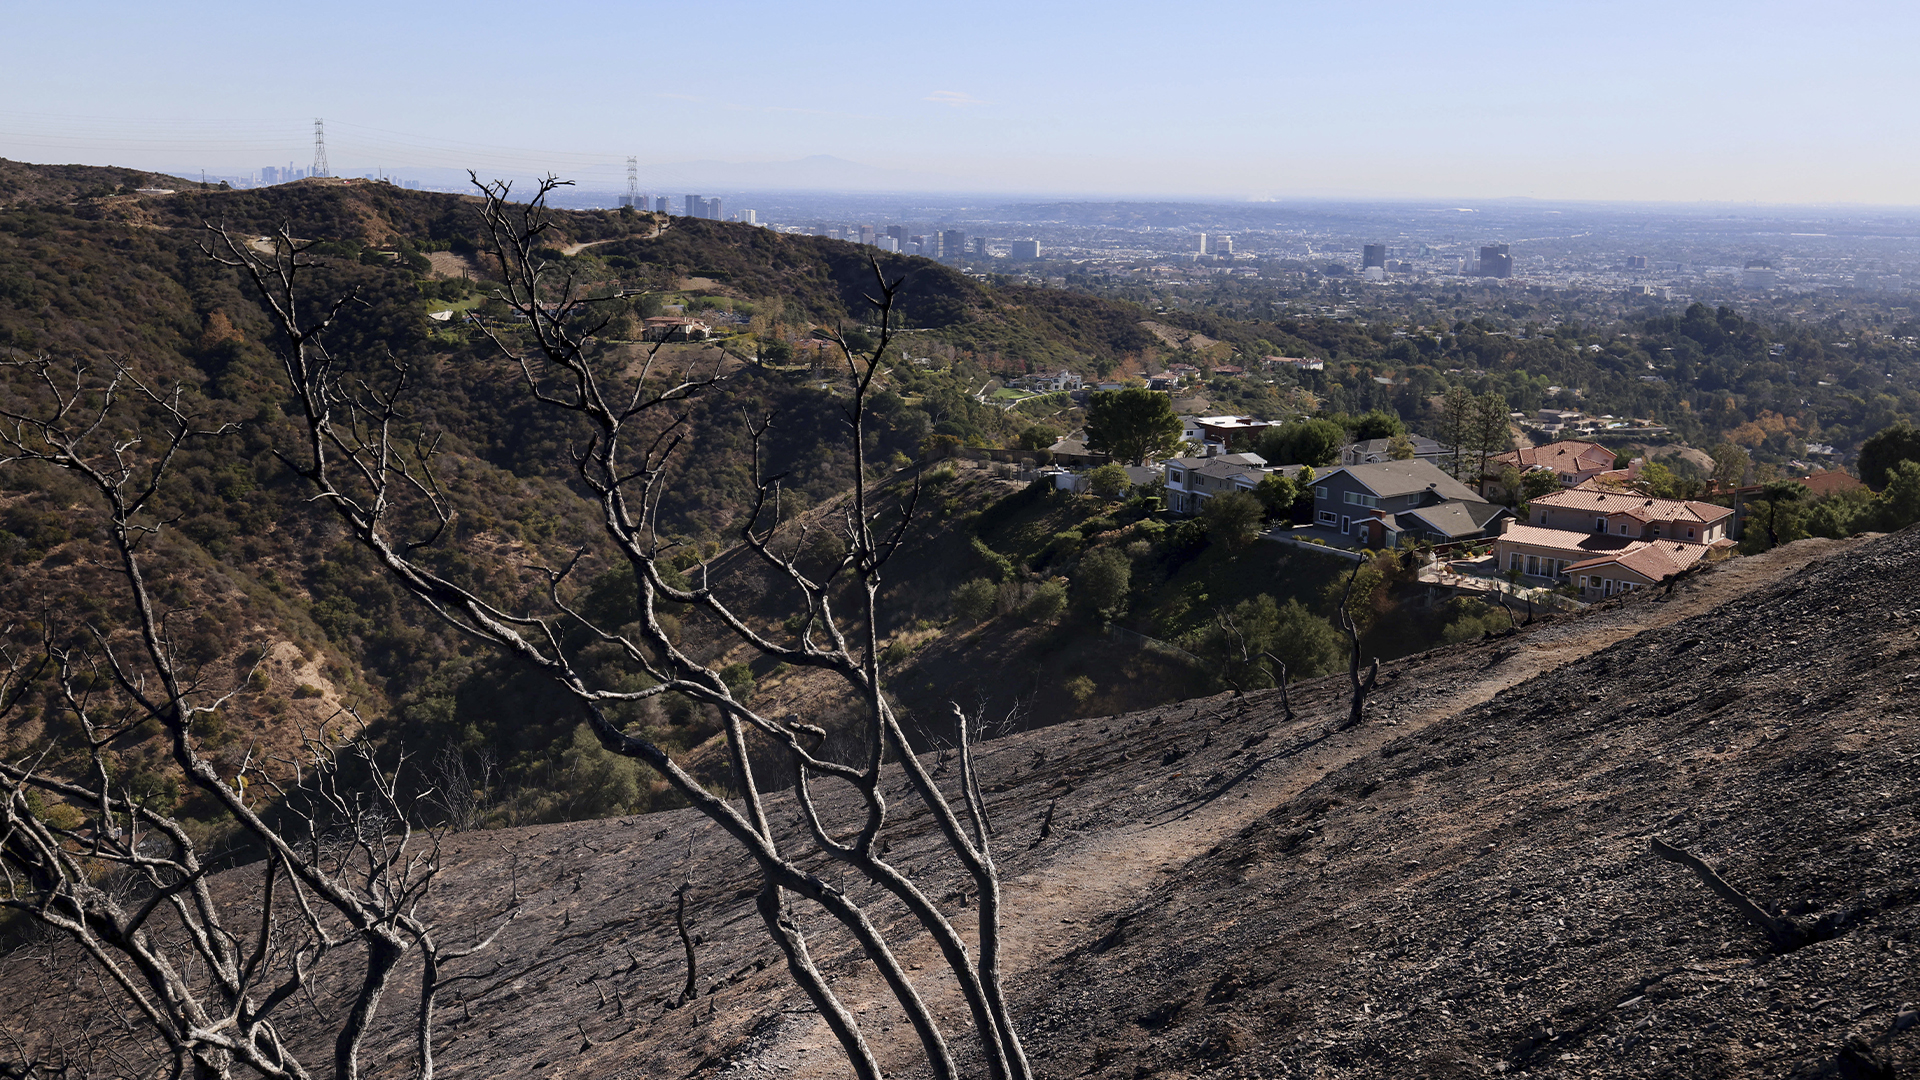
<point>1046,604</point>
<point>973,601</point>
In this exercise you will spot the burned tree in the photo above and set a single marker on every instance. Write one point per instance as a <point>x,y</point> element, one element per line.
<point>215,973</point>
<point>1361,686</point>
<point>363,460</point>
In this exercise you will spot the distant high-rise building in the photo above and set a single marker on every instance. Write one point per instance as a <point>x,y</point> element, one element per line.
<point>713,210</point>
<point>953,243</point>
<point>867,234</point>
<point>749,217</point>
<point>696,206</point>
<point>1636,262</point>
<point>980,246</point>
<point>1375,255</point>
<point>887,243</point>
<point>1495,261</point>
<point>1203,243</point>
<point>898,232</point>
<point>1025,249</point>
<point>1223,245</point>
<point>661,204</point>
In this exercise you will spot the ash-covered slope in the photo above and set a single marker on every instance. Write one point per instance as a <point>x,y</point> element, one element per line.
<point>1459,887</point>
<point>1478,899</point>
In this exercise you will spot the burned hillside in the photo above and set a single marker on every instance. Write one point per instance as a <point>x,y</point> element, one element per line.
<point>1479,898</point>
<point>1462,886</point>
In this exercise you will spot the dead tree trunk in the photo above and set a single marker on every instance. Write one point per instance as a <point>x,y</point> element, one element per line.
<point>1784,935</point>
<point>206,976</point>
<point>363,463</point>
<point>1361,686</point>
<point>1286,703</point>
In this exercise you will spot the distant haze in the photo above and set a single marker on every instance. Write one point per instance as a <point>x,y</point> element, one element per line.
<point>1763,102</point>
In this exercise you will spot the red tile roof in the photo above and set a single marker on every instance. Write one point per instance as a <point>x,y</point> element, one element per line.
<point>1652,561</point>
<point>1567,455</point>
<point>1639,507</point>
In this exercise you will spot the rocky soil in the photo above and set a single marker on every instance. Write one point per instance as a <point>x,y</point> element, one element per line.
<point>1459,887</point>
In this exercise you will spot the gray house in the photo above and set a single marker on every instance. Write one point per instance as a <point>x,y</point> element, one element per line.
<point>1372,451</point>
<point>1379,503</point>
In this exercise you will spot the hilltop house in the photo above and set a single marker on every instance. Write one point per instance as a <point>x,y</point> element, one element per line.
<point>1059,380</point>
<point>1295,363</point>
<point>1374,451</point>
<point>1819,485</point>
<point>1191,481</point>
<point>675,328</point>
<point>1380,502</point>
<point>1609,542</point>
<point>1572,461</point>
<point>1225,432</point>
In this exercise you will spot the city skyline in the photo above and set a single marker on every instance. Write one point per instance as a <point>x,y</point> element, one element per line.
<point>1764,103</point>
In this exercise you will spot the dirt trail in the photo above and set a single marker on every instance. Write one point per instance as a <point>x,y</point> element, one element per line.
<point>575,249</point>
<point>1051,904</point>
<point>1116,867</point>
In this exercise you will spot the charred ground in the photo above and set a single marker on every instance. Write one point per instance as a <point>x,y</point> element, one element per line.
<point>1459,887</point>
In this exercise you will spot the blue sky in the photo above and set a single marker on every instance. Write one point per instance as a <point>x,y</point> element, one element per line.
<point>1749,102</point>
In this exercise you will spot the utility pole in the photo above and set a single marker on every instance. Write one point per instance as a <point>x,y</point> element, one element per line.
<point>320,149</point>
<point>633,183</point>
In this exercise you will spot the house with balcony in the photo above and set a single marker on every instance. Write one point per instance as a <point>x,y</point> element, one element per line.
<point>1607,542</point>
<point>1378,503</point>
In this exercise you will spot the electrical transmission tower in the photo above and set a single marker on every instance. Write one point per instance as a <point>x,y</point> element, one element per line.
<point>320,149</point>
<point>633,183</point>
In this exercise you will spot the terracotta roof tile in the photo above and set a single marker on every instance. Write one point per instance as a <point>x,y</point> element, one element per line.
<point>1595,500</point>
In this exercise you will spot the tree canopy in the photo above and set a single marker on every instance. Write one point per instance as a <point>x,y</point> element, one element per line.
<point>1132,424</point>
<point>1886,448</point>
<point>1302,442</point>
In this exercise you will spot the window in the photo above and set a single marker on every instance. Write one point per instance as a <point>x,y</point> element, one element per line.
<point>1320,492</point>
<point>1599,524</point>
<point>1583,583</point>
<point>1623,528</point>
<point>1543,517</point>
<point>1354,498</point>
<point>1327,516</point>
<point>1515,563</point>
<point>1689,532</point>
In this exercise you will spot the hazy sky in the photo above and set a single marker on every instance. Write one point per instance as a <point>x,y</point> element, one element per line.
<point>1561,99</point>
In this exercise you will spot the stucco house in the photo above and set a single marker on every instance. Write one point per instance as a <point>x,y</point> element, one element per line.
<point>1608,542</point>
<point>1572,461</point>
<point>675,328</point>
